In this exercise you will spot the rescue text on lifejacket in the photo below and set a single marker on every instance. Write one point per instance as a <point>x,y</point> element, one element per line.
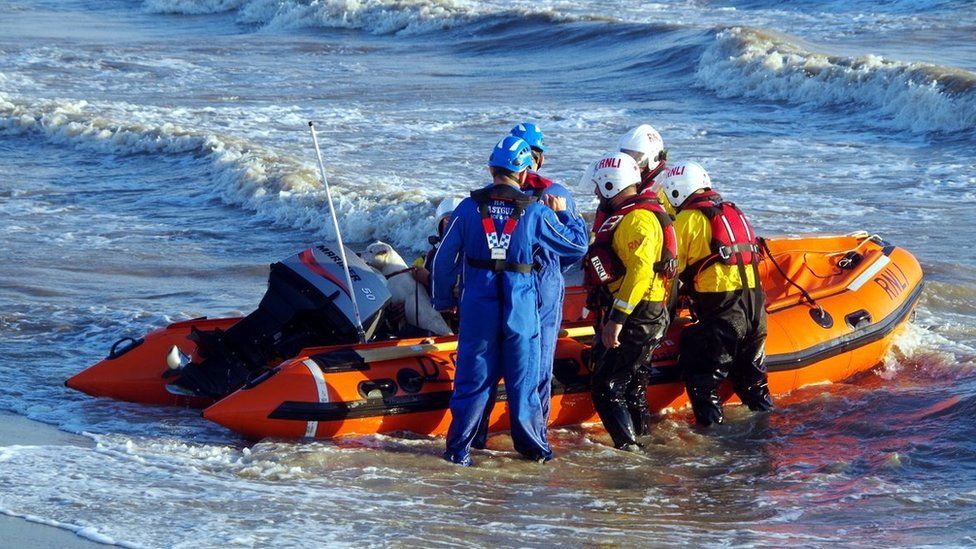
<point>601,264</point>
<point>498,244</point>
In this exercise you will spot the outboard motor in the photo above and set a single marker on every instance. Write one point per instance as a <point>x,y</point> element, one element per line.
<point>307,304</point>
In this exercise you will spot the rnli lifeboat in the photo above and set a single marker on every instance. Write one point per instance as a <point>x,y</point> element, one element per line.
<point>834,303</point>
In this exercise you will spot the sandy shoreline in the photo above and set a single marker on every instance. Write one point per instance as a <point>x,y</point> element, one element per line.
<point>19,532</point>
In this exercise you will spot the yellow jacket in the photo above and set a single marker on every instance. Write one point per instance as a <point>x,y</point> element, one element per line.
<point>637,242</point>
<point>694,234</point>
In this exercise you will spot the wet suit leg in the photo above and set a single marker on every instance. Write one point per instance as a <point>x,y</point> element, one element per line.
<point>619,395</point>
<point>749,368</point>
<point>481,437</point>
<point>705,358</point>
<point>640,415</point>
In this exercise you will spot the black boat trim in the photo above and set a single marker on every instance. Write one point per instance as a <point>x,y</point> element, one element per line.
<point>115,352</point>
<point>439,400</point>
<point>857,338</point>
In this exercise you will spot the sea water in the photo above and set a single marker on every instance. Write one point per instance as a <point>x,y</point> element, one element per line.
<point>155,158</point>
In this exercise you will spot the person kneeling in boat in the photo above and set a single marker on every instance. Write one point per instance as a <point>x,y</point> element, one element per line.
<point>395,319</point>
<point>494,235</point>
<point>423,264</point>
<point>718,261</point>
<point>626,270</point>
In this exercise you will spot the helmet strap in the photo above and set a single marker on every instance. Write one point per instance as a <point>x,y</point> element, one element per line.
<point>538,159</point>
<point>657,169</point>
<point>624,195</point>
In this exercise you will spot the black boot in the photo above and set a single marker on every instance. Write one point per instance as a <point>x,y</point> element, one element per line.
<point>637,404</point>
<point>751,383</point>
<point>616,420</point>
<point>756,396</point>
<point>705,402</point>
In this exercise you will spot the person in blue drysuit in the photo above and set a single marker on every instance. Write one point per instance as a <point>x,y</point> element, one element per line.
<point>550,284</point>
<point>494,237</point>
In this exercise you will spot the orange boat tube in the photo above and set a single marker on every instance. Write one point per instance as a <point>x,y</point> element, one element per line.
<point>135,370</point>
<point>863,290</point>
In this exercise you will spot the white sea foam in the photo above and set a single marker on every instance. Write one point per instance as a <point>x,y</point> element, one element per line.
<point>918,347</point>
<point>375,16</point>
<point>86,532</point>
<point>277,187</point>
<point>191,7</point>
<point>917,97</point>
<point>373,203</point>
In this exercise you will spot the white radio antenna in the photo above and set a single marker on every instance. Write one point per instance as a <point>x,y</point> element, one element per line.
<point>335,225</point>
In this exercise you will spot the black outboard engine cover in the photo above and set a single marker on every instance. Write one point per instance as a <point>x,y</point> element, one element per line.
<point>307,304</point>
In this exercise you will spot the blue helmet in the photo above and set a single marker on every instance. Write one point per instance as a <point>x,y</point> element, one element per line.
<point>531,134</point>
<point>512,154</point>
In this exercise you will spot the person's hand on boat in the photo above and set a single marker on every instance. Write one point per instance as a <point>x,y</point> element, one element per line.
<point>610,333</point>
<point>556,203</point>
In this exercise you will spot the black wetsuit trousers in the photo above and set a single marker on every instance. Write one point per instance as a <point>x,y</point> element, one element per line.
<point>619,381</point>
<point>727,342</point>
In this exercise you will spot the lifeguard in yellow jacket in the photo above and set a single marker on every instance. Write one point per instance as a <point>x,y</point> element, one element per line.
<point>717,251</point>
<point>626,270</point>
<point>645,145</point>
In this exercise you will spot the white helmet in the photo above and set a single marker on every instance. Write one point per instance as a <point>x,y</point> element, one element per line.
<point>683,179</point>
<point>645,140</point>
<point>446,207</point>
<point>615,172</point>
<point>586,181</point>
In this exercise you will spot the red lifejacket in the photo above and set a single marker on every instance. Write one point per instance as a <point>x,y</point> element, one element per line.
<point>536,183</point>
<point>498,243</point>
<point>647,178</point>
<point>601,265</point>
<point>734,241</point>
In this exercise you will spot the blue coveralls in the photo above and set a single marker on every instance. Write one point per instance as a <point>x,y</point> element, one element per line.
<point>499,331</point>
<point>551,289</point>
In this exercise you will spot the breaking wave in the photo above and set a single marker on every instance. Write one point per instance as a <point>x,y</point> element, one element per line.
<point>857,6</point>
<point>191,7</point>
<point>917,97</point>
<point>277,187</point>
<point>374,16</point>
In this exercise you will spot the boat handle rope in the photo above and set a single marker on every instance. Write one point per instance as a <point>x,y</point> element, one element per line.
<point>806,295</point>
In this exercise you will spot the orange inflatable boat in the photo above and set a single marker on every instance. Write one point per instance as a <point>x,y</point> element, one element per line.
<point>834,303</point>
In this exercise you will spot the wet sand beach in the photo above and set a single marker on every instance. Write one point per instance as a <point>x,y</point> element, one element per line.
<point>17,531</point>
